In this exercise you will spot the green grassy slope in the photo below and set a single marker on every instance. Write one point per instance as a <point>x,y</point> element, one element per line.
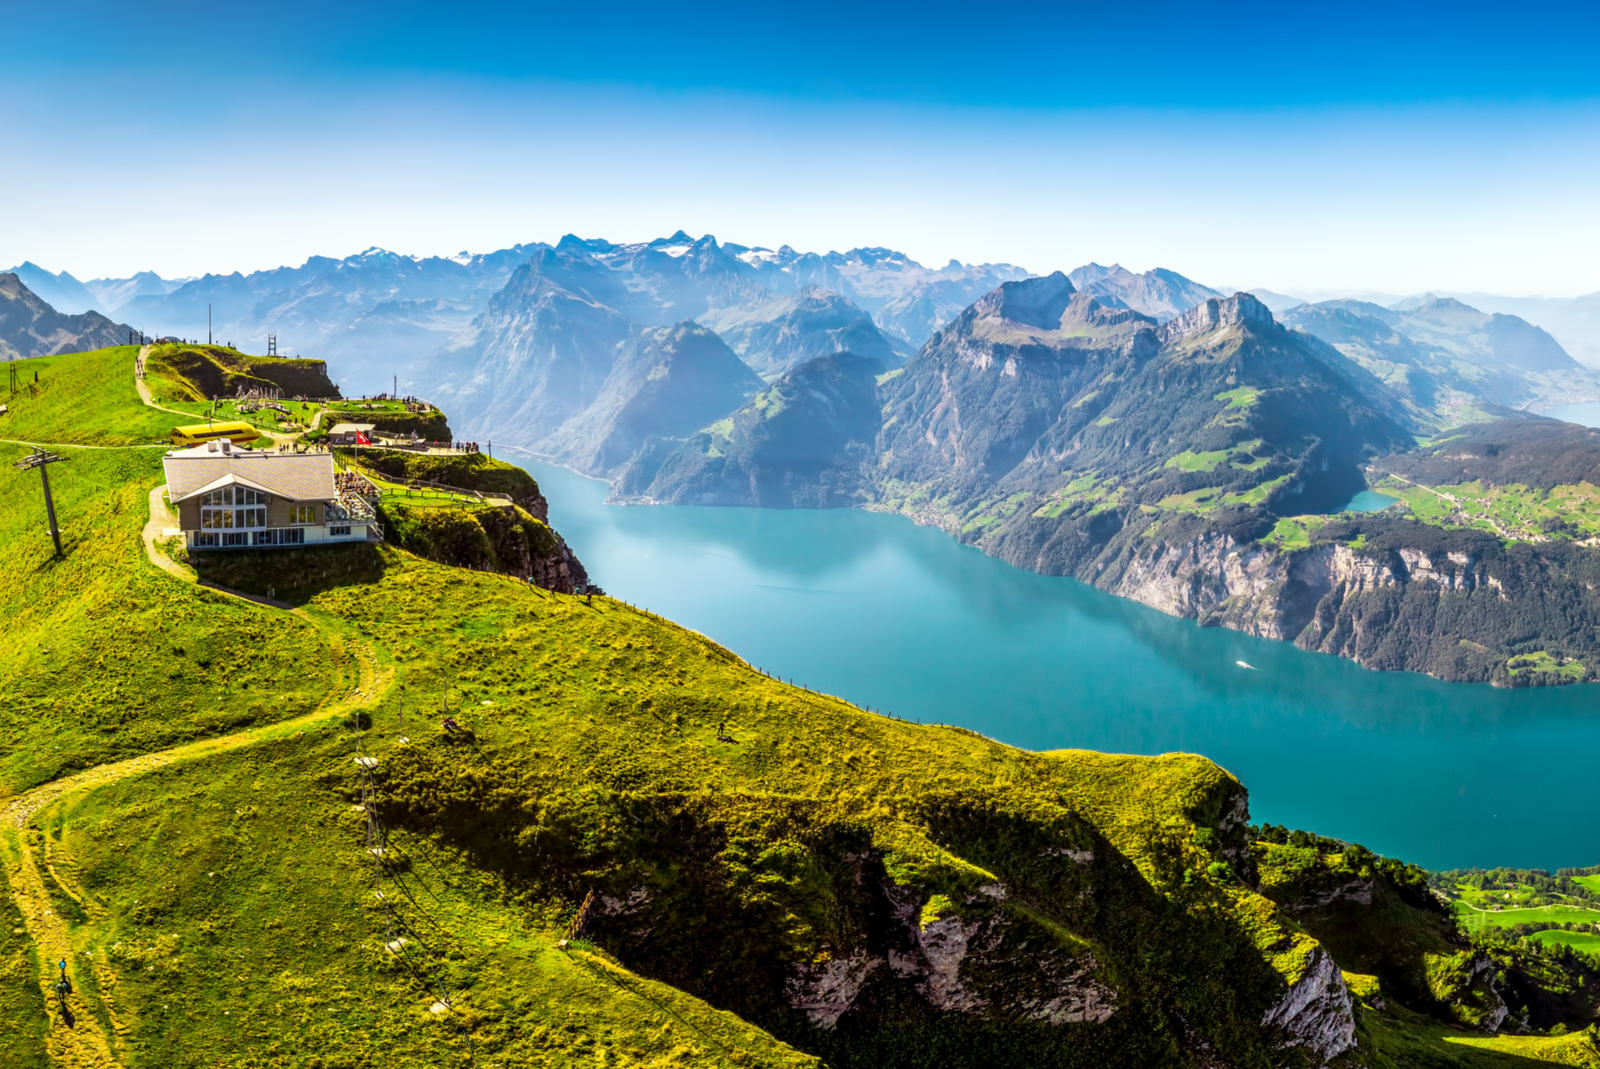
<point>240,929</point>
<point>82,398</point>
<point>739,836</point>
<point>106,656</point>
<point>185,372</point>
<point>598,710</point>
<point>230,918</point>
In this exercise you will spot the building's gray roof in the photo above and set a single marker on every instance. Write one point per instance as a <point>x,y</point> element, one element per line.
<point>350,428</point>
<point>297,477</point>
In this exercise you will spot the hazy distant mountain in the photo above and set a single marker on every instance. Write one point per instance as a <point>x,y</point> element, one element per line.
<point>1278,302</point>
<point>1572,321</point>
<point>111,294</point>
<point>773,333</point>
<point>909,292</point>
<point>62,292</point>
<point>31,327</point>
<point>802,442</point>
<point>666,383</point>
<point>537,355</point>
<point>330,308</point>
<point>1448,358</point>
<point>1158,293</point>
<point>377,312</point>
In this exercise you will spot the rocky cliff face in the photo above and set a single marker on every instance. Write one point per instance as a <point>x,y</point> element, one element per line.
<point>506,540</point>
<point>957,965</point>
<point>1385,592</point>
<point>516,540</point>
<point>1316,1013</point>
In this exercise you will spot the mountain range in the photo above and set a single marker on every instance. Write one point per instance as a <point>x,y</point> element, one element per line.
<point>374,313</point>
<point>1139,431</point>
<point>1197,464</point>
<point>377,310</point>
<point>31,327</point>
<point>1445,356</point>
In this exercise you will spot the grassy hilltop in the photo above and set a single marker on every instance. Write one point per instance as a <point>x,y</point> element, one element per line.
<point>631,849</point>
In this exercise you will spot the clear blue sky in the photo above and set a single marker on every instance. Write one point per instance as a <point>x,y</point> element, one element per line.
<point>1330,146</point>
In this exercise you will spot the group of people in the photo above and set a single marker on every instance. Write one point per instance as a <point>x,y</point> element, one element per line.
<point>468,447</point>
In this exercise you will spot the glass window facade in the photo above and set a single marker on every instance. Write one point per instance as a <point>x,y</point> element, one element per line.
<point>220,510</point>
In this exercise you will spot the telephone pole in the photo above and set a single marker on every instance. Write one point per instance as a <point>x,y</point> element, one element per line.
<point>40,458</point>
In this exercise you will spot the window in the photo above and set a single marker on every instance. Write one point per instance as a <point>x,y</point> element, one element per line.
<point>234,495</point>
<point>235,538</point>
<point>303,514</point>
<point>204,538</point>
<point>280,536</point>
<point>335,532</point>
<point>217,511</point>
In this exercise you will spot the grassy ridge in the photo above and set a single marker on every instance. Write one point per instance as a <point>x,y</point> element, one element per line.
<point>82,398</point>
<point>595,704</point>
<point>244,932</point>
<point>107,656</point>
<point>192,372</point>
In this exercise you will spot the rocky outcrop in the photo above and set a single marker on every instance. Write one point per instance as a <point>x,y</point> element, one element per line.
<point>1385,592</point>
<point>825,992</point>
<point>1466,984</point>
<point>507,540</point>
<point>961,964</point>
<point>1264,591</point>
<point>1316,1012</point>
<point>1215,314</point>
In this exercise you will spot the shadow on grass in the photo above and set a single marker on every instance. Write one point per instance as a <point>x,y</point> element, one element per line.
<point>291,575</point>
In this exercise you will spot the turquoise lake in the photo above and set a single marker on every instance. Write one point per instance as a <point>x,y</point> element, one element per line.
<point>894,616</point>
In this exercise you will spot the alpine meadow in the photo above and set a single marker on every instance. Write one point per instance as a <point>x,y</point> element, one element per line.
<point>905,537</point>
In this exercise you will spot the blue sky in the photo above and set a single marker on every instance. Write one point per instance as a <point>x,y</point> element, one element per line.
<point>1357,146</point>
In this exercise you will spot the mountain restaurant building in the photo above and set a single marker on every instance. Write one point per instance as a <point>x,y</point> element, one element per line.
<point>229,498</point>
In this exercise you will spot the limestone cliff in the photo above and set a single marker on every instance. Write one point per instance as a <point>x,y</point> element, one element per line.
<point>1383,591</point>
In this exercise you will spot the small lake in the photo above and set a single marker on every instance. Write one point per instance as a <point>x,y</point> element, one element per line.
<point>895,616</point>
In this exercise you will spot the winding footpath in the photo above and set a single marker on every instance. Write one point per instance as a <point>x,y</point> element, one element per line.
<point>77,1035</point>
<point>31,861</point>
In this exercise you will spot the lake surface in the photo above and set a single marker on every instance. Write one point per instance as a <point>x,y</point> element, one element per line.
<point>899,617</point>
<point>1586,413</point>
<point>1371,501</point>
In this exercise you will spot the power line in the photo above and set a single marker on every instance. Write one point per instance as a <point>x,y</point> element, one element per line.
<point>377,847</point>
<point>41,458</point>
